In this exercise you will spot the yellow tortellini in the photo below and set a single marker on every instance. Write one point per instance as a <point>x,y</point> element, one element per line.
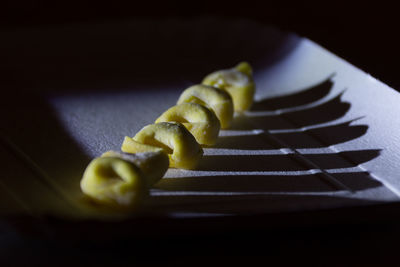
<point>213,98</point>
<point>113,181</point>
<point>172,138</point>
<point>201,122</point>
<point>122,180</point>
<point>152,164</point>
<point>238,82</point>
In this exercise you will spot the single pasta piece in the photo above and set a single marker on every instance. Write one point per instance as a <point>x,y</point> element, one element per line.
<point>238,82</point>
<point>213,98</point>
<point>201,122</point>
<point>171,137</point>
<point>152,164</point>
<point>114,182</point>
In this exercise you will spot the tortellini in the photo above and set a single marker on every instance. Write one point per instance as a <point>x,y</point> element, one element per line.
<point>175,140</point>
<point>201,122</point>
<point>113,181</point>
<point>213,98</point>
<point>172,138</point>
<point>238,82</point>
<point>152,164</point>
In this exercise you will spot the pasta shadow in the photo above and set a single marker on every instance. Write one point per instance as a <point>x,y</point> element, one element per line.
<point>303,97</point>
<point>285,162</point>
<point>325,112</point>
<point>312,138</point>
<point>264,183</point>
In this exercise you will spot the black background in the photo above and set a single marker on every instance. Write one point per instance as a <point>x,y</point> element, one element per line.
<point>364,33</point>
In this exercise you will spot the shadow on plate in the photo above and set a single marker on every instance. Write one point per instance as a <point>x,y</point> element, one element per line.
<point>264,183</point>
<point>285,162</point>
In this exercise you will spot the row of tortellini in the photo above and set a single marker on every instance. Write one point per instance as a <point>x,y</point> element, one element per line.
<point>122,179</point>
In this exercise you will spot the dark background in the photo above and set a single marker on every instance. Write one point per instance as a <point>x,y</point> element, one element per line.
<point>363,33</point>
